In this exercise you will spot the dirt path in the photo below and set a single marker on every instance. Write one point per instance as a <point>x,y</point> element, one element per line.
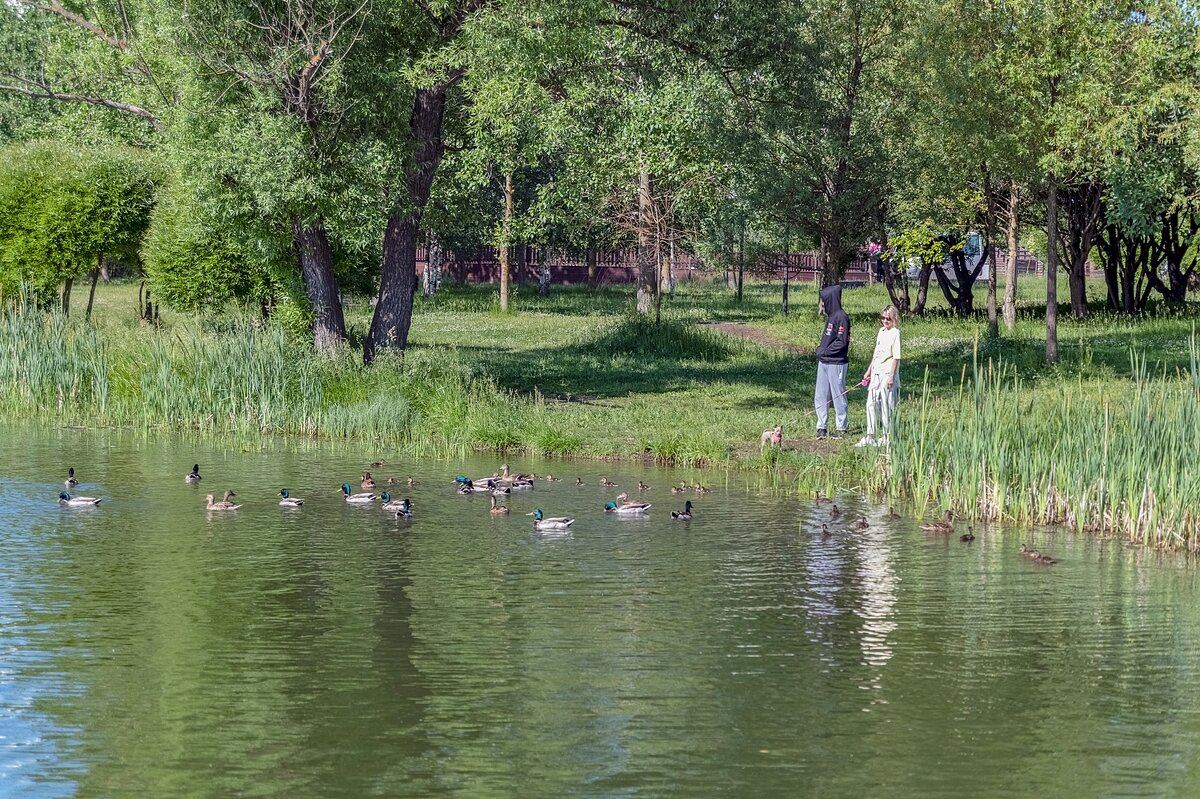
<point>745,331</point>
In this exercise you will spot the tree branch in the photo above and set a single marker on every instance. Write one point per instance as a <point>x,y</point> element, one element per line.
<point>41,91</point>
<point>59,10</point>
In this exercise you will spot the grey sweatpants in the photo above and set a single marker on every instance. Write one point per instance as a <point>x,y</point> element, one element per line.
<point>831,384</point>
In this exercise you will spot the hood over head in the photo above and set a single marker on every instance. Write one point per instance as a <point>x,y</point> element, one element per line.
<point>831,299</point>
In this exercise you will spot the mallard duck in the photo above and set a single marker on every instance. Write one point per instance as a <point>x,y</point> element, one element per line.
<point>946,526</point>
<point>968,536</point>
<point>820,499</point>
<point>524,477</point>
<point>861,523</point>
<point>288,500</point>
<point>224,504</point>
<point>367,480</point>
<point>604,481</point>
<point>360,499</point>
<point>391,504</point>
<point>497,509</point>
<point>519,484</point>
<point>71,482</point>
<point>834,512</point>
<point>891,514</point>
<point>626,508</point>
<point>194,475</point>
<point>685,514</point>
<point>77,502</point>
<point>495,490</point>
<point>540,522</point>
<point>476,485</point>
<point>1044,559</point>
<point>404,509</point>
<point>642,486</point>
<point>825,532</point>
<point>379,464</point>
<point>1026,552</point>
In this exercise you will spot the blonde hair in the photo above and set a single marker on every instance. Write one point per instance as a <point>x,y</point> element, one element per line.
<point>891,313</point>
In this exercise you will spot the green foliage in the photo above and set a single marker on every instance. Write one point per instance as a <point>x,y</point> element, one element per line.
<point>63,208</point>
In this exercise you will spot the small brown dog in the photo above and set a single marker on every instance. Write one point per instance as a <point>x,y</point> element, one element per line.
<point>772,437</point>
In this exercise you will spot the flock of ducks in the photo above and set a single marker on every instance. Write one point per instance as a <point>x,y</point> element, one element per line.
<point>505,482</point>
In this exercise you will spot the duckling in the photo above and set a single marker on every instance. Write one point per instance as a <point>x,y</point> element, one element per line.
<point>467,486</point>
<point>834,512</point>
<point>579,481</point>
<point>946,526</point>
<point>825,532</point>
<point>71,482</point>
<point>968,536</point>
<point>684,515</point>
<point>194,475</point>
<point>604,481</point>
<point>288,500</point>
<point>367,480</point>
<point>379,464</point>
<point>224,504</point>
<point>498,509</point>
<point>391,504</point>
<point>1026,552</point>
<point>1045,560</point>
<point>69,501</point>
<point>642,486</point>
<point>393,481</point>
<point>677,490</point>
<point>891,514</point>
<point>357,499</point>
<point>404,511</point>
<point>699,489</point>
<point>820,498</point>
<point>541,522</point>
<point>552,479</point>
<point>410,482</point>
<point>861,523</point>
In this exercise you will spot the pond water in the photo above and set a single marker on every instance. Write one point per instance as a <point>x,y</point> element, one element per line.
<point>150,648</point>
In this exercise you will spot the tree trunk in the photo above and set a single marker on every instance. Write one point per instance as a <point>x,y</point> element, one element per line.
<point>647,263</point>
<point>505,240</point>
<point>741,261</point>
<point>398,278</point>
<point>92,290</point>
<point>592,272</point>
<point>432,277</point>
<point>543,272</point>
<point>311,244</point>
<point>787,272</point>
<point>66,297</point>
<point>1010,266</point>
<point>1051,267</point>
<point>923,286</point>
<point>993,329</point>
<point>831,259</point>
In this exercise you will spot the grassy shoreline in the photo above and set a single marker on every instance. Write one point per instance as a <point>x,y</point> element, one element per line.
<point>989,429</point>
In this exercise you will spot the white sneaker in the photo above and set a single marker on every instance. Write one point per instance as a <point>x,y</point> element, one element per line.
<point>865,441</point>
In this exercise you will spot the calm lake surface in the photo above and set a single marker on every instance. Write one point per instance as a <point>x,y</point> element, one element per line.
<point>149,648</point>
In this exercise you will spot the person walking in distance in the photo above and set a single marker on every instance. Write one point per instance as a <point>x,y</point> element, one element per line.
<point>882,378</point>
<point>833,357</point>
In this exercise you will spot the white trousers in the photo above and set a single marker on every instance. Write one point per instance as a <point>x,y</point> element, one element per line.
<point>881,400</point>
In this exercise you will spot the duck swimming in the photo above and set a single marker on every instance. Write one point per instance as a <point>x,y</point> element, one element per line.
<point>946,526</point>
<point>685,514</point>
<point>69,501</point>
<point>288,501</point>
<point>541,522</point>
<point>194,475</point>
<point>604,481</point>
<point>968,536</point>
<point>834,512</point>
<point>224,504</point>
<point>626,508</point>
<point>861,523</point>
<point>358,499</point>
<point>71,482</point>
<point>497,509</point>
<point>392,504</point>
<point>367,480</point>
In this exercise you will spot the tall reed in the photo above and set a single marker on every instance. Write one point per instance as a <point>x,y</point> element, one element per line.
<point>1114,463</point>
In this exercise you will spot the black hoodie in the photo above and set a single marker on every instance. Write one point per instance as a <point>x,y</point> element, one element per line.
<point>835,341</point>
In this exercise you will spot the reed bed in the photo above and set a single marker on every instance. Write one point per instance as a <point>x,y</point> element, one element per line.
<point>1109,463</point>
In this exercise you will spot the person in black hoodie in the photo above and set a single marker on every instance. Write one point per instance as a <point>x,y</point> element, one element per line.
<point>833,358</point>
